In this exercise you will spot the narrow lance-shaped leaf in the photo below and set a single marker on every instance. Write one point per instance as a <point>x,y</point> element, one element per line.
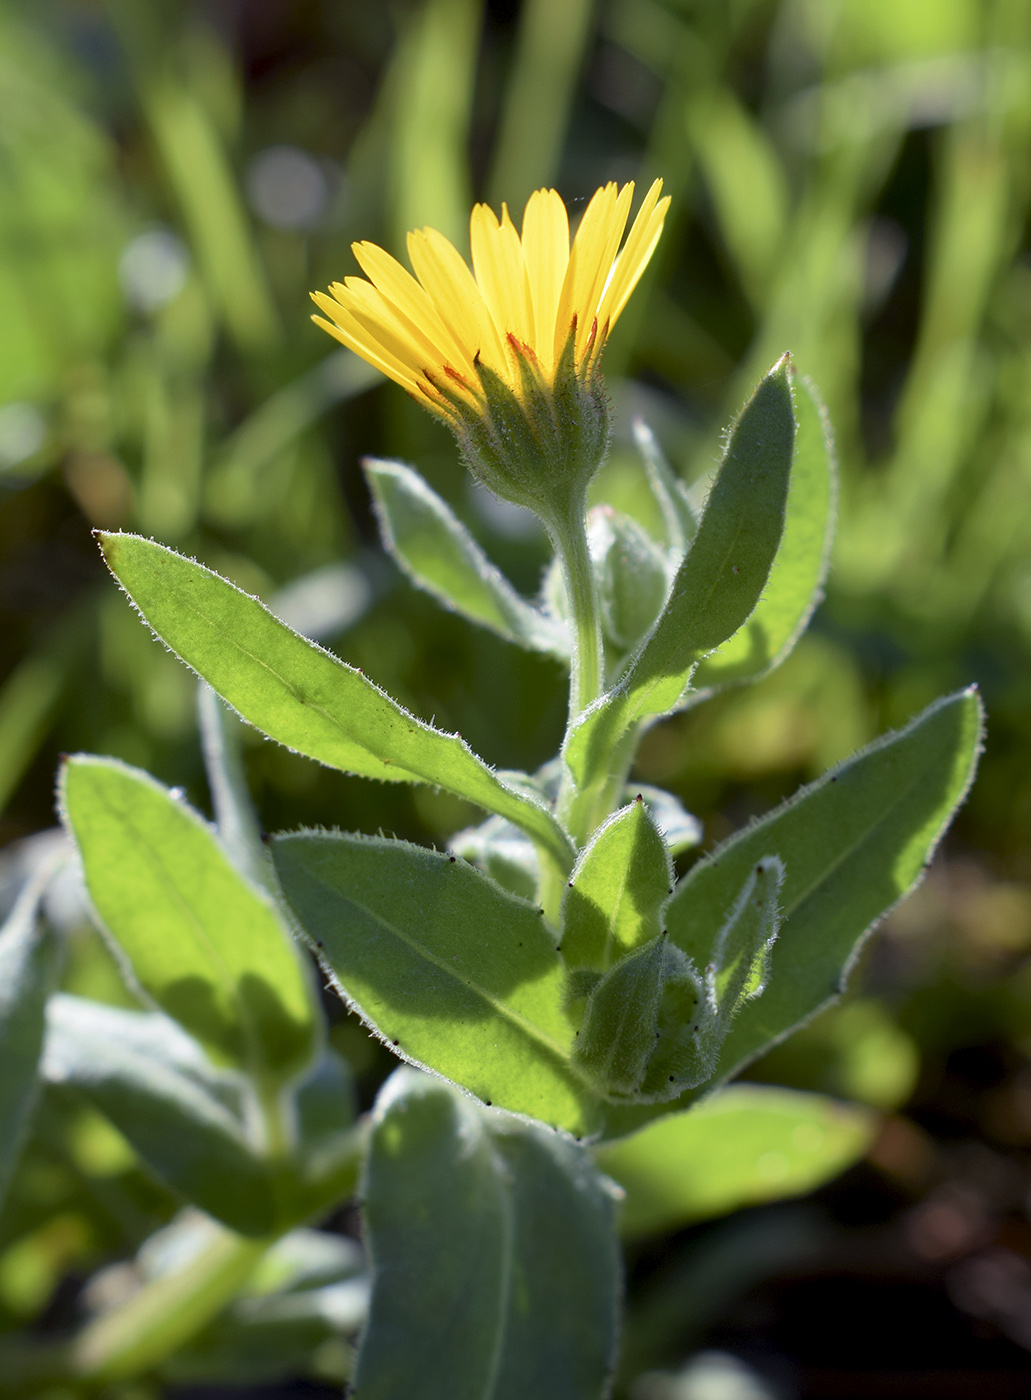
<point>458,975</point>
<point>181,1114</point>
<point>302,696</point>
<point>667,488</point>
<point>796,579</point>
<point>495,1266</point>
<point>852,843</point>
<point>201,941</point>
<point>619,883</point>
<point>190,1121</point>
<point>27,966</point>
<point>715,590</point>
<point>439,555</point>
<point>735,971</point>
<point>747,1144</point>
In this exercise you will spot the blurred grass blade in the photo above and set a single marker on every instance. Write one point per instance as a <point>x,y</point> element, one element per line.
<point>743,1146</point>
<point>28,958</point>
<point>235,817</point>
<point>303,697</point>
<point>27,700</point>
<point>433,78</point>
<point>200,940</point>
<point>538,98</point>
<point>439,554</point>
<point>233,492</point>
<point>203,182</point>
<point>494,1255</point>
<point>459,975</point>
<point>746,182</point>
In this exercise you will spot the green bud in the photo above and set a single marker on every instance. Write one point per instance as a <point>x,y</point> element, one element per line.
<point>631,572</point>
<point>627,1011</point>
<point>540,446</point>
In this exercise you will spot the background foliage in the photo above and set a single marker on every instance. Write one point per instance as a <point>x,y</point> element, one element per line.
<point>851,180</point>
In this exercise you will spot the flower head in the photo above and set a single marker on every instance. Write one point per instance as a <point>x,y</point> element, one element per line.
<point>507,353</point>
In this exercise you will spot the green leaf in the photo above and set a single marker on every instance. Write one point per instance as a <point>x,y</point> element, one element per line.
<point>680,830</point>
<point>181,1114</point>
<point>495,1267</point>
<point>736,969</point>
<point>455,973</point>
<point>189,1120</point>
<point>300,695</point>
<point>795,584</point>
<point>853,844</point>
<point>631,573</point>
<point>745,1145</point>
<point>27,967</point>
<point>620,882</point>
<point>652,994</point>
<point>667,488</point>
<point>715,590</point>
<point>439,555</point>
<point>206,945</point>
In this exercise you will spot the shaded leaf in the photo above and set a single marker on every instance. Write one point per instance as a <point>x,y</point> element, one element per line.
<point>495,1268</point>
<point>714,592</point>
<point>746,1144</point>
<point>796,580</point>
<point>27,968</point>
<point>439,555</point>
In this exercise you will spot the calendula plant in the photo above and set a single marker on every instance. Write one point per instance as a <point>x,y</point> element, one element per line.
<point>577,1007</point>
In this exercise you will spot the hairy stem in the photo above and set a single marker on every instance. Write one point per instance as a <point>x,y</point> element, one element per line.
<point>587,676</point>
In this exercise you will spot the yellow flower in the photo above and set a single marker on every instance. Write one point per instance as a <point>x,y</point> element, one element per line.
<point>523,300</point>
<point>507,353</point>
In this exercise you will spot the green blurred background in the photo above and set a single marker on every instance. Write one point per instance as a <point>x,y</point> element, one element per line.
<point>851,181</point>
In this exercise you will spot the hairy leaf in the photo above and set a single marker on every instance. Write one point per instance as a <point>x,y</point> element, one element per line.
<point>495,1271</point>
<point>302,696</point>
<point>200,940</point>
<point>438,554</point>
<point>458,975</point>
<point>747,1144</point>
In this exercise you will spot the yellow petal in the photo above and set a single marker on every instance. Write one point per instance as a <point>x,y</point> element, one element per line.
<point>451,286</point>
<point>634,258</point>
<point>411,300</point>
<point>343,327</point>
<point>501,273</point>
<point>546,251</point>
<point>404,337</point>
<point>590,259</point>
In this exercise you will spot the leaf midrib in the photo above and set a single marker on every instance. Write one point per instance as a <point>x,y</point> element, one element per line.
<point>483,771</point>
<point>531,1031</point>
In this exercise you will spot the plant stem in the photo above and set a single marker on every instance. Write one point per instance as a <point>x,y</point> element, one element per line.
<point>167,1312</point>
<point>587,674</point>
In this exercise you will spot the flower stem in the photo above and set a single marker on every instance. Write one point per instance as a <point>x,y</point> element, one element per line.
<point>587,674</point>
